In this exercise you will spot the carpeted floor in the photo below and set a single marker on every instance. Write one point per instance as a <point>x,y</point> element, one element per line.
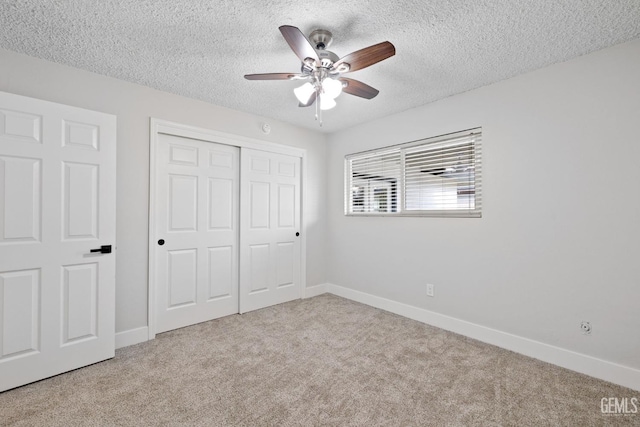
<point>320,361</point>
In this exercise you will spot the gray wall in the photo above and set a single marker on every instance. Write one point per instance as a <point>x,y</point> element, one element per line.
<point>134,105</point>
<point>559,239</point>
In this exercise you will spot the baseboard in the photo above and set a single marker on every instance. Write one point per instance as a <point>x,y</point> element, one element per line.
<point>138,335</point>
<point>132,336</point>
<point>588,365</point>
<point>316,290</point>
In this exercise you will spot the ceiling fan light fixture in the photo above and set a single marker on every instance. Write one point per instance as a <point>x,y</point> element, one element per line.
<point>326,102</point>
<point>323,69</point>
<point>304,92</point>
<point>331,87</point>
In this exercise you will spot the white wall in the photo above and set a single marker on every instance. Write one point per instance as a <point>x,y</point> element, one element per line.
<point>134,105</point>
<point>559,240</point>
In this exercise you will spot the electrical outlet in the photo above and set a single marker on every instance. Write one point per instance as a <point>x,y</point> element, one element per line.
<point>430,290</point>
<point>585,327</point>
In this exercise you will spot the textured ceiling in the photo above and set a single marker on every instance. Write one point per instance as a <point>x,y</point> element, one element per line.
<point>202,48</point>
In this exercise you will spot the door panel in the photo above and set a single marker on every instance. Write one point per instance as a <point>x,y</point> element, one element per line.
<point>183,155</point>
<point>18,126</point>
<point>260,204</point>
<point>20,315</point>
<point>80,135</point>
<point>259,267</point>
<point>183,277</point>
<point>270,253</point>
<point>20,196</point>
<point>285,260</point>
<point>221,275</point>
<point>80,284</point>
<point>259,163</point>
<point>80,208</point>
<point>221,204</point>
<point>286,205</point>
<point>183,203</point>
<point>57,202</point>
<point>197,185</point>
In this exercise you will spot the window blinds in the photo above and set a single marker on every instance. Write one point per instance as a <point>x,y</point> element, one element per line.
<point>438,176</point>
<point>374,182</point>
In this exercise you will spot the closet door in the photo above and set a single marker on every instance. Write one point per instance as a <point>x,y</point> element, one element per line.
<point>270,255</point>
<point>57,237</point>
<point>196,232</point>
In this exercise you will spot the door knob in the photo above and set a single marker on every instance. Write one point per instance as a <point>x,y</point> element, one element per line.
<point>161,242</point>
<point>104,249</point>
<point>297,234</point>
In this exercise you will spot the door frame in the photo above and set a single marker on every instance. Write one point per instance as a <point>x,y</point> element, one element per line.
<point>159,126</point>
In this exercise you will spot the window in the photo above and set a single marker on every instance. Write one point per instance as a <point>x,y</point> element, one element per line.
<point>432,177</point>
<point>374,182</point>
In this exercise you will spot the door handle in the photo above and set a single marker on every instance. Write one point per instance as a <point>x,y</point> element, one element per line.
<point>105,249</point>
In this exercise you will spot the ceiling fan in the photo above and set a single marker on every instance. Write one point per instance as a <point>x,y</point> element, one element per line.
<point>323,69</point>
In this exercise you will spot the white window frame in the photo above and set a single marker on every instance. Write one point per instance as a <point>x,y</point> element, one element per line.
<point>473,136</point>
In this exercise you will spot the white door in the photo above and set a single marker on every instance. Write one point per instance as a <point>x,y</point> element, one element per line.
<point>196,252</point>
<point>270,228</point>
<point>57,203</point>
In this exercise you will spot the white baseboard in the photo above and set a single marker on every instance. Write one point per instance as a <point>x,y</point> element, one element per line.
<point>132,336</point>
<point>588,365</point>
<point>316,290</point>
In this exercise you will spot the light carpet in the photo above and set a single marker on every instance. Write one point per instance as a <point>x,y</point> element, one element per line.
<point>320,361</point>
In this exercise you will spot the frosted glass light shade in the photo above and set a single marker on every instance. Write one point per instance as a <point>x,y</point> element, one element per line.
<point>326,102</point>
<point>332,88</point>
<point>304,92</point>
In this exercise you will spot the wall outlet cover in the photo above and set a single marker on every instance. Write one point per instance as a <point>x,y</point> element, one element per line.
<point>430,290</point>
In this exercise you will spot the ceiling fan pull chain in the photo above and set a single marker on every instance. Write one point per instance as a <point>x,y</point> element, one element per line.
<point>318,111</point>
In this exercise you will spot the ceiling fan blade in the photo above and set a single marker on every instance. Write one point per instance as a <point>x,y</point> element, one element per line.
<point>311,100</point>
<point>357,88</point>
<point>271,76</point>
<point>300,45</point>
<point>368,56</point>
